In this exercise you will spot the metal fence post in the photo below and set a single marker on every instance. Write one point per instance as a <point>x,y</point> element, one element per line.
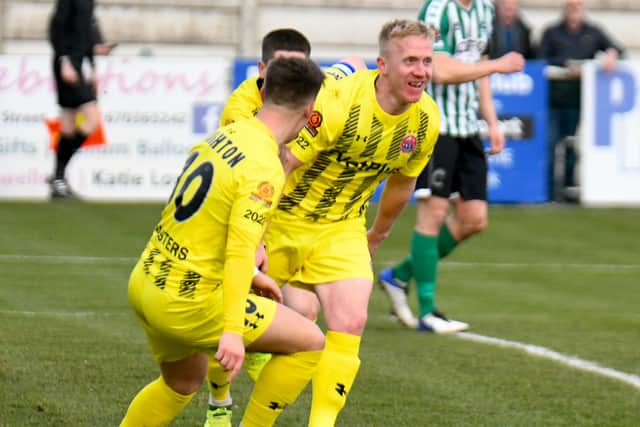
<point>248,32</point>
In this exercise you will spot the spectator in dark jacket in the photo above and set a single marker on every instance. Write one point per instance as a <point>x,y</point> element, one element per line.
<point>510,33</point>
<point>565,44</point>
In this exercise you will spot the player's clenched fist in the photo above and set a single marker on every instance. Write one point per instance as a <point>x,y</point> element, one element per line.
<point>510,63</point>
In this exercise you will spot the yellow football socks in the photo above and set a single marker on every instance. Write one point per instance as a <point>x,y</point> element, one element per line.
<point>334,377</point>
<point>155,405</point>
<point>280,383</point>
<point>217,380</point>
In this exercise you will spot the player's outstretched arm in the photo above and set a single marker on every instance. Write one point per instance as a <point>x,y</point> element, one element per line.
<point>346,67</point>
<point>395,195</point>
<point>355,61</point>
<point>488,112</point>
<point>448,70</point>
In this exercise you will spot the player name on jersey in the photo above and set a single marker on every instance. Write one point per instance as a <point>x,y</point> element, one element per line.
<point>170,244</point>
<point>224,146</point>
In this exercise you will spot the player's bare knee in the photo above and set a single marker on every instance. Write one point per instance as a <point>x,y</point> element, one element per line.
<point>311,338</point>
<point>302,301</point>
<point>309,308</point>
<point>184,385</point>
<point>316,341</point>
<point>480,223</point>
<point>185,376</point>
<point>430,217</point>
<point>474,225</point>
<point>312,312</point>
<point>484,223</point>
<point>353,323</point>
<point>187,387</point>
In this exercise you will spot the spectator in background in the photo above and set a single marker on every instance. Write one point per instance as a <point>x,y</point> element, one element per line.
<point>510,32</point>
<point>75,36</point>
<point>565,44</point>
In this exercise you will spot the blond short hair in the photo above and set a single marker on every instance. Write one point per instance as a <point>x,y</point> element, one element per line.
<point>400,28</point>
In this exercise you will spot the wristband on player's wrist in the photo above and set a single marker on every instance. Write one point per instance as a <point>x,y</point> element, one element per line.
<point>256,271</point>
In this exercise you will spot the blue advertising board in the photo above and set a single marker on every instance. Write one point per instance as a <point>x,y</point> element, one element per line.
<point>518,174</point>
<point>243,68</point>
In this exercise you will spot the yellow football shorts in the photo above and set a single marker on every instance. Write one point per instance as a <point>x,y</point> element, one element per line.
<point>304,254</point>
<point>178,327</point>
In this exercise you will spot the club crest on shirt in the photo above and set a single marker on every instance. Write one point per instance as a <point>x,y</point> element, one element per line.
<point>315,120</point>
<point>408,144</point>
<point>264,193</point>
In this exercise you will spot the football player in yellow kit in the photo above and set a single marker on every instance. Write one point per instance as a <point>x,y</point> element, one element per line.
<point>374,125</point>
<point>243,103</point>
<point>246,99</point>
<point>366,128</point>
<point>190,286</point>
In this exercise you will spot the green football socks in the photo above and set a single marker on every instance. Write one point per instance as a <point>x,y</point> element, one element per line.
<point>446,241</point>
<point>425,249</point>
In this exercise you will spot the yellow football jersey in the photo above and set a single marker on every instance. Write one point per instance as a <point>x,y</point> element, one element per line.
<point>350,145</point>
<point>209,231</point>
<point>246,100</point>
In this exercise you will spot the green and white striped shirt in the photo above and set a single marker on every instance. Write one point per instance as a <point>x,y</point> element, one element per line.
<point>463,34</point>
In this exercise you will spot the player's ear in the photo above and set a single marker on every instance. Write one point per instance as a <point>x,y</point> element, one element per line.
<point>309,108</point>
<point>382,64</point>
<point>262,68</point>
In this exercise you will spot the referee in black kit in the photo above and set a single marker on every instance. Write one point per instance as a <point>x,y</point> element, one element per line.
<point>75,37</point>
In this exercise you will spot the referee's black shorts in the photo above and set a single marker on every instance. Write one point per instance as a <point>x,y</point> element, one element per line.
<point>73,95</point>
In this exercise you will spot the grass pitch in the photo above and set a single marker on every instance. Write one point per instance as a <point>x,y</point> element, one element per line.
<point>564,279</point>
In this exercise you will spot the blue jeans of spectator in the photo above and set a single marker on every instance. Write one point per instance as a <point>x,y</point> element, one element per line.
<point>563,122</point>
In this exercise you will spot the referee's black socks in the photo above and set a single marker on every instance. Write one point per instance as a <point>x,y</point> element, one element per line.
<point>67,146</point>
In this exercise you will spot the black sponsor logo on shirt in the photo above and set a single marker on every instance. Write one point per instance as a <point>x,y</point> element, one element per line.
<point>363,165</point>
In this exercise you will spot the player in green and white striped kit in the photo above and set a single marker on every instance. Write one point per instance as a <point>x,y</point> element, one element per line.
<point>460,87</point>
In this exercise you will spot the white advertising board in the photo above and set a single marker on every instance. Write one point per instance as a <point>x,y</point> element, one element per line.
<point>610,136</point>
<point>154,110</point>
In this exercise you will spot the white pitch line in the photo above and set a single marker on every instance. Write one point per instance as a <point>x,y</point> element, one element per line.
<point>62,259</point>
<point>79,259</point>
<point>541,264</point>
<point>574,362</point>
<point>505,265</point>
<point>28,313</point>
<point>536,350</point>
